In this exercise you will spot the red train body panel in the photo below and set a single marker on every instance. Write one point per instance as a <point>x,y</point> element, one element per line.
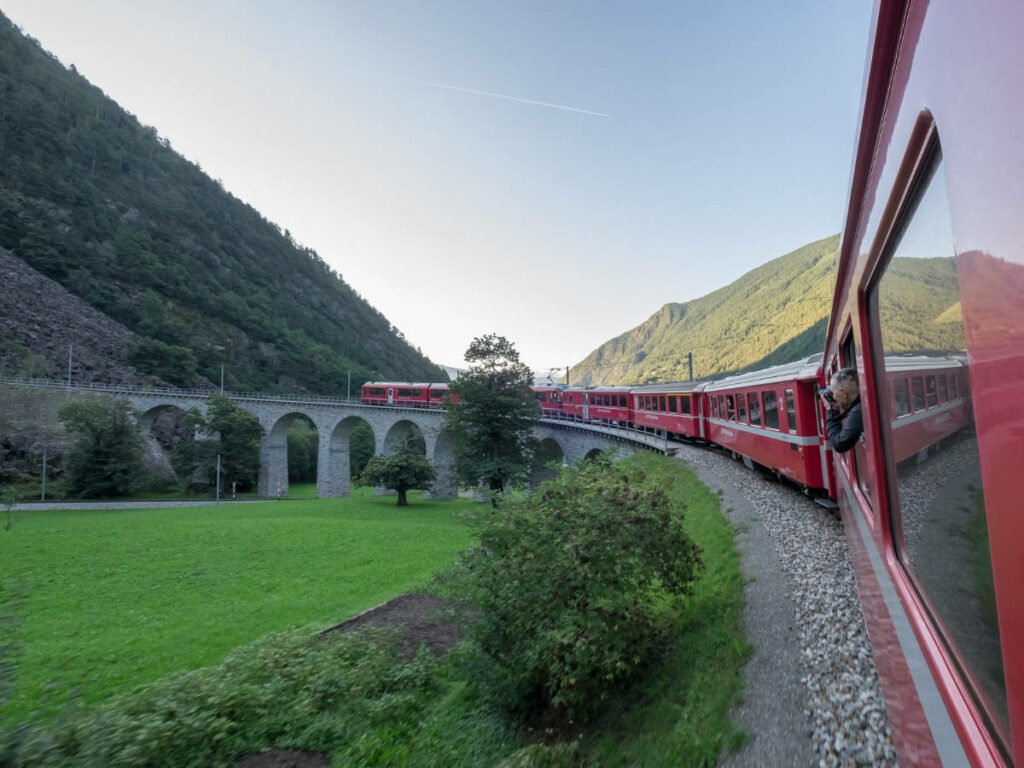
<point>404,394</point>
<point>769,417</point>
<point>672,408</point>
<point>932,265</point>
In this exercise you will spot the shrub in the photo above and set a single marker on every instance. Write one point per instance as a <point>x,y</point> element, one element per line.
<point>575,583</point>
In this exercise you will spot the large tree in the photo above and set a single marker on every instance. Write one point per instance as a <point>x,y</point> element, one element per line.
<point>106,458</point>
<point>228,431</point>
<point>493,415</point>
<point>405,470</point>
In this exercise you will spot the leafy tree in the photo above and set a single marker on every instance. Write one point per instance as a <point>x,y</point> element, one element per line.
<point>106,458</point>
<point>575,583</point>
<point>171,363</point>
<point>361,447</point>
<point>227,431</point>
<point>303,447</point>
<point>405,470</point>
<point>492,421</point>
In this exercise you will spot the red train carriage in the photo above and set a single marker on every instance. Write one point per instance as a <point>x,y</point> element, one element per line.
<point>402,394</point>
<point>769,417</point>
<point>929,402</point>
<point>672,408</point>
<point>440,394</point>
<point>550,399</point>
<point>601,405</point>
<point>932,264</point>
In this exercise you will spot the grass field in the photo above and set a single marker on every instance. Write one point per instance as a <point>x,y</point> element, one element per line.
<point>107,600</point>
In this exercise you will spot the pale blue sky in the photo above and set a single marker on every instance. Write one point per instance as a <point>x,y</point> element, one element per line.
<point>704,139</point>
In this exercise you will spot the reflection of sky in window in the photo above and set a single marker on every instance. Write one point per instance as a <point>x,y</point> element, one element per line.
<point>930,233</point>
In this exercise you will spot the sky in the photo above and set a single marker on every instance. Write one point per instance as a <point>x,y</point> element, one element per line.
<point>553,172</point>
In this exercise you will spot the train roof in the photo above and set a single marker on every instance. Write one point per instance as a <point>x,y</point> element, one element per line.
<point>404,384</point>
<point>807,368</point>
<point>599,389</point>
<point>922,362</point>
<point>675,386</point>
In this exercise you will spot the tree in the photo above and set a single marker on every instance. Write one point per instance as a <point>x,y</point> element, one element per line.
<point>493,415</point>
<point>576,583</point>
<point>404,470</point>
<point>106,458</point>
<point>228,431</point>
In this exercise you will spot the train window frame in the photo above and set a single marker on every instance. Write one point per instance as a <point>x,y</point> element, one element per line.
<point>902,406</point>
<point>791,411</point>
<point>765,410</point>
<point>714,407</point>
<point>940,380</point>
<point>754,409</point>
<point>741,408</point>
<point>686,405</point>
<point>925,172</point>
<point>730,407</point>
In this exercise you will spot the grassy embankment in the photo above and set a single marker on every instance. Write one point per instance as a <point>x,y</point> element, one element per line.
<point>182,589</point>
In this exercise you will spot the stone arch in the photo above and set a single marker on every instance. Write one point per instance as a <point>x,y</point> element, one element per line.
<point>162,430</point>
<point>334,467</point>
<point>443,458</point>
<point>593,453</point>
<point>548,450</point>
<point>273,480</point>
<point>401,430</point>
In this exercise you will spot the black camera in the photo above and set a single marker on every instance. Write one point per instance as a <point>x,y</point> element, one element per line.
<point>826,392</point>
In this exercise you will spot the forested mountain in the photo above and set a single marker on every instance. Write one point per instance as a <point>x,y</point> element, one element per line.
<point>776,314</point>
<point>100,203</point>
<point>739,326</point>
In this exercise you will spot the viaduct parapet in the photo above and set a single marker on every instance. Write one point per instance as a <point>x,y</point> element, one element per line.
<point>334,418</point>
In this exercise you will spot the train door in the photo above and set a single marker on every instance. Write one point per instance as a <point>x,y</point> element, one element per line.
<point>391,395</point>
<point>586,406</point>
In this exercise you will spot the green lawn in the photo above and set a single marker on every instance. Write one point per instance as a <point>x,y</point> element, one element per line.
<point>113,599</point>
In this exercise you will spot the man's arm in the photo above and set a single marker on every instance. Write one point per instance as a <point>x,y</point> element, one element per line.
<point>844,436</point>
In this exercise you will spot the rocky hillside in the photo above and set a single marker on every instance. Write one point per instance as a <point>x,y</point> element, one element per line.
<point>103,205</point>
<point>41,320</point>
<point>772,314</point>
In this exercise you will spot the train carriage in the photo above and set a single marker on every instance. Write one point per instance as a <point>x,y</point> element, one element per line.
<point>671,408</point>
<point>601,405</point>
<point>932,265</point>
<point>403,394</point>
<point>550,399</point>
<point>770,418</point>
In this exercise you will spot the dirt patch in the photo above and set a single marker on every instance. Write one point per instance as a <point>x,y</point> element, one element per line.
<point>433,621</point>
<point>281,758</point>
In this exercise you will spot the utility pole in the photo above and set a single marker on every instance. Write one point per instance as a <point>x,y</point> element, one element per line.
<point>222,378</point>
<point>69,366</point>
<point>567,375</point>
<point>218,478</point>
<point>44,472</point>
<point>348,390</point>
<point>689,363</point>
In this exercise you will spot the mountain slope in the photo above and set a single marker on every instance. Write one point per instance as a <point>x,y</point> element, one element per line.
<point>98,202</point>
<point>783,301</point>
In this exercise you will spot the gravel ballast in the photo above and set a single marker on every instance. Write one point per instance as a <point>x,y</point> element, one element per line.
<point>812,696</point>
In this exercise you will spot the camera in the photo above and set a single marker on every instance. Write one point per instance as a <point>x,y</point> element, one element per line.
<point>826,392</point>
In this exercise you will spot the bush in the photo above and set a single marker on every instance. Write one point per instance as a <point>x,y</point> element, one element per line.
<point>575,584</point>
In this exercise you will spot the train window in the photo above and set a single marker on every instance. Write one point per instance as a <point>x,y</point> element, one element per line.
<point>901,396</point>
<point>661,404</point>
<point>790,411</point>
<point>771,409</point>
<point>741,408</point>
<point>714,407</point>
<point>941,378</point>
<point>623,401</point>
<point>937,496</point>
<point>917,393</point>
<point>754,400</point>
<point>930,395</point>
<point>684,403</point>
<point>730,405</point>
<point>673,404</point>
<point>954,386</point>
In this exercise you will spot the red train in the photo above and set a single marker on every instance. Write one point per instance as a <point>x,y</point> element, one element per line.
<point>929,309</point>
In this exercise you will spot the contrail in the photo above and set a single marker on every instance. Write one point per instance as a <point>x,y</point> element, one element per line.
<point>493,95</point>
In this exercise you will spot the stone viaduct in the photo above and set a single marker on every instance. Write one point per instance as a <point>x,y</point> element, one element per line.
<point>334,418</point>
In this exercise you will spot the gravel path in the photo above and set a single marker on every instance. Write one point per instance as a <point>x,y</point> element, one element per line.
<point>812,696</point>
